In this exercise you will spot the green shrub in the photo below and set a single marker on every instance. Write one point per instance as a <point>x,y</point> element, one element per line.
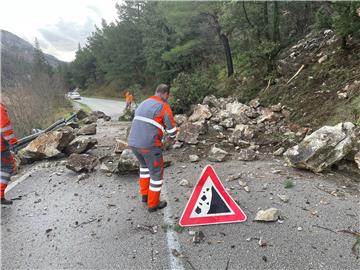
<point>288,183</point>
<point>323,19</point>
<point>188,89</point>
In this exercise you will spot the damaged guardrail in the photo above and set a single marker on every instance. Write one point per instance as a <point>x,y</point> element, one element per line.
<point>23,142</point>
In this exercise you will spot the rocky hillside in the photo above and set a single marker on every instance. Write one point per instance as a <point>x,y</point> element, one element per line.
<point>16,58</point>
<point>318,81</point>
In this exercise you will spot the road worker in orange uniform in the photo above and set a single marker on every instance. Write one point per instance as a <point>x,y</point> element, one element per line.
<point>8,164</point>
<point>152,118</point>
<point>128,99</point>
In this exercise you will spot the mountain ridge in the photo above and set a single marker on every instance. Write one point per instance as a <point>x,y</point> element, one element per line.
<point>17,56</point>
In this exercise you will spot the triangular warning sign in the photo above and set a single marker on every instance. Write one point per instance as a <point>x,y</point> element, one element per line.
<point>209,203</point>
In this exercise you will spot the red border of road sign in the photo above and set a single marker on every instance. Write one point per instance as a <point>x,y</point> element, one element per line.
<point>237,216</point>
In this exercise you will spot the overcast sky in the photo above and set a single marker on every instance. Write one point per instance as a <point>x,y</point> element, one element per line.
<point>59,25</point>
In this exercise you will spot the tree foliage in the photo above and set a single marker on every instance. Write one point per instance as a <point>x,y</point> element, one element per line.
<point>186,43</point>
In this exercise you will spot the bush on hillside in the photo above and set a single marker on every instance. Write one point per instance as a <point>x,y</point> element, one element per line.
<point>323,19</point>
<point>188,89</point>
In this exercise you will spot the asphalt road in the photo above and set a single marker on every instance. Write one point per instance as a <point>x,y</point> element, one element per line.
<point>99,222</point>
<point>112,108</point>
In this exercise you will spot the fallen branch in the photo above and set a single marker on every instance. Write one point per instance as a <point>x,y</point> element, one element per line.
<point>268,85</point>
<point>332,192</point>
<point>188,261</point>
<point>297,73</point>
<point>355,249</point>
<point>85,222</point>
<point>351,232</point>
<point>227,264</point>
<point>317,226</point>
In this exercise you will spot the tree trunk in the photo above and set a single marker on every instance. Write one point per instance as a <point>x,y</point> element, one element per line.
<point>344,42</point>
<point>225,41</point>
<point>229,62</point>
<point>266,20</point>
<point>276,30</point>
<point>307,16</point>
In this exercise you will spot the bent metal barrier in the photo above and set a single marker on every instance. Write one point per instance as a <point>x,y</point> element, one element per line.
<point>23,142</point>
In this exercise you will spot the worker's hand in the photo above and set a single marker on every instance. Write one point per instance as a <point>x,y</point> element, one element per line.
<point>168,139</point>
<point>166,143</point>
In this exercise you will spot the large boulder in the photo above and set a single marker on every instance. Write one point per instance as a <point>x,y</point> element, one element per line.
<point>49,144</point>
<point>201,112</point>
<point>322,148</point>
<point>107,118</point>
<point>110,163</point>
<point>357,159</point>
<point>251,113</point>
<point>90,119</point>
<point>120,146</point>
<point>269,115</point>
<point>227,123</point>
<point>81,162</point>
<point>73,125</point>
<point>241,132</point>
<point>236,108</point>
<point>212,101</point>
<point>189,133</point>
<point>81,114</point>
<point>128,162</point>
<point>217,154</point>
<point>254,103</point>
<point>247,155</point>
<point>80,145</point>
<point>220,115</point>
<point>87,130</point>
<point>127,115</point>
<point>180,119</point>
<point>241,118</point>
<point>98,114</point>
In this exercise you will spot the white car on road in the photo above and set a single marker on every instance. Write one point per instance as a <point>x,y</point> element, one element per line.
<point>73,95</point>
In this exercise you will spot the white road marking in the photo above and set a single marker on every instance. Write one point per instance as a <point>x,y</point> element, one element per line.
<point>20,179</point>
<point>171,236</point>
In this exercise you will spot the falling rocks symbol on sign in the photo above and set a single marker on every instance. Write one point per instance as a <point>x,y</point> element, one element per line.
<point>217,205</point>
<point>209,203</point>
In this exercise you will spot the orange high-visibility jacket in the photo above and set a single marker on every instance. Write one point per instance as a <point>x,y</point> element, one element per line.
<point>152,118</point>
<point>8,139</point>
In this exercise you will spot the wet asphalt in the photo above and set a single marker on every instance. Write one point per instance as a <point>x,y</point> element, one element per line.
<point>58,222</point>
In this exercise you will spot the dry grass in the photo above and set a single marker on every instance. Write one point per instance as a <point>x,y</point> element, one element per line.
<point>36,104</point>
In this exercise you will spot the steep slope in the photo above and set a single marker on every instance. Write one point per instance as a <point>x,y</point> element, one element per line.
<point>16,58</point>
<point>327,87</point>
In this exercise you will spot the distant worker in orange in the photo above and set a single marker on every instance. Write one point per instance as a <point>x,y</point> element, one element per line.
<point>8,142</point>
<point>128,99</point>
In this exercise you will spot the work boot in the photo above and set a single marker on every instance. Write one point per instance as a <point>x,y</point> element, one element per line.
<point>6,202</point>
<point>144,198</point>
<point>161,205</point>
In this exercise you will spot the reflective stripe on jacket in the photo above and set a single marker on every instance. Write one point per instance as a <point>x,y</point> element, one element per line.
<point>8,139</point>
<point>145,134</point>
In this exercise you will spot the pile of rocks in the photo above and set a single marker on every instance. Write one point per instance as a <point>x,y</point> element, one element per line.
<point>237,126</point>
<point>246,130</point>
<point>65,141</point>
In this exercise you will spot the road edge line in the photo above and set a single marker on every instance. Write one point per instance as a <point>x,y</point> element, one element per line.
<point>171,237</point>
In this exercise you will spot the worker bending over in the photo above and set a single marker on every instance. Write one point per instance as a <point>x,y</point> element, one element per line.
<point>152,118</point>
